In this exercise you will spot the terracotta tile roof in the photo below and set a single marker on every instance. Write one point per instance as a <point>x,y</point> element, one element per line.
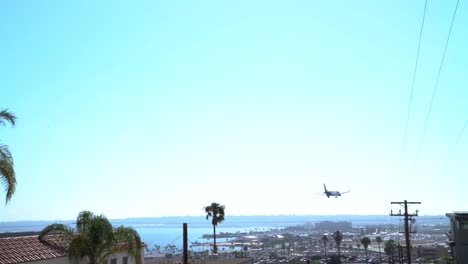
<point>28,248</point>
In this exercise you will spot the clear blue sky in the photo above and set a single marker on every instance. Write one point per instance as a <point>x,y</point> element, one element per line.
<point>158,108</point>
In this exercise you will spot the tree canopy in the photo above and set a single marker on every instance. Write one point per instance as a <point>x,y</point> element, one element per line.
<point>338,237</point>
<point>94,238</point>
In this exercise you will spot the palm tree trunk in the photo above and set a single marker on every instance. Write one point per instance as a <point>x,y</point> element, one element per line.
<point>325,252</point>
<point>215,249</point>
<point>380,255</point>
<point>93,260</point>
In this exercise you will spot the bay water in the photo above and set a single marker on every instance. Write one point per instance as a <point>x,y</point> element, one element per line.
<point>167,232</point>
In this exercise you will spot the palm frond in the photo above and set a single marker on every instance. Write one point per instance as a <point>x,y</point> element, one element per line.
<point>220,217</point>
<point>216,211</point>
<point>100,233</point>
<point>7,178</point>
<point>338,237</point>
<point>57,235</point>
<point>83,220</point>
<point>127,239</point>
<point>5,153</point>
<point>208,211</point>
<point>55,229</point>
<point>7,172</point>
<point>365,241</point>
<point>6,115</point>
<point>80,247</point>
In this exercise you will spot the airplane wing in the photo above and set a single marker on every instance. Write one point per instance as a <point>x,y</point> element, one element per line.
<point>346,191</point>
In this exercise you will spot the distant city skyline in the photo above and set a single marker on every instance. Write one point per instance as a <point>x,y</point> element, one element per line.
<point>155,108</point>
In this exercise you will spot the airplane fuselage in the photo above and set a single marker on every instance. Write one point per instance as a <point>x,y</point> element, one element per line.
<point>332,193</point>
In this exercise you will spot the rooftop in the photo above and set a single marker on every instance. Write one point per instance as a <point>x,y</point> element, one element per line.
<point>460,215</point>
<point>20,249</point>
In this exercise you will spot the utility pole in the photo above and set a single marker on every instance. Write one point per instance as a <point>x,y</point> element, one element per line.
<point>408,217</point>
<point>185,245</point>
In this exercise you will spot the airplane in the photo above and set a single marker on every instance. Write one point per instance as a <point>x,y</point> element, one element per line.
<point>332,193</point>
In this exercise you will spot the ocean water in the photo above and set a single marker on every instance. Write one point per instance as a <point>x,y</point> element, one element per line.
<point>165,231</point>
<point>164,235</point>
<point>169,230</point>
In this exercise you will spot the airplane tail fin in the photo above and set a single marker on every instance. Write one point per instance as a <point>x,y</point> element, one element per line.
<point>325,187</point>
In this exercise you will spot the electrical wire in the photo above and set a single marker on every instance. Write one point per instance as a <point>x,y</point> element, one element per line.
<point>451,153</point>
<point>412,88</point>
<point>435,88</point>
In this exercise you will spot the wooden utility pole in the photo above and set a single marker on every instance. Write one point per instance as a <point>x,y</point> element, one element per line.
<point>408,217</point>
<point>185,249</point>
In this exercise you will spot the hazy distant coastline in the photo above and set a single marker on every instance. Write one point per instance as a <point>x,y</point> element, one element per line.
<point>231,221</point>
<point>168,230</point>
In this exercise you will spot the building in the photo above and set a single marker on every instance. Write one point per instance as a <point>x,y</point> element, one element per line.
<point>432,252</point>
<point>333,226</point>
<point>27,248</point>
<point>21,249</point>
<point>458,236</point>
<point>400,253</point>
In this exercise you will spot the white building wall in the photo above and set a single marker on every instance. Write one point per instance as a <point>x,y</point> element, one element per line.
<point>119,258</point>
<point>62,260</point>
<point>66,260</point>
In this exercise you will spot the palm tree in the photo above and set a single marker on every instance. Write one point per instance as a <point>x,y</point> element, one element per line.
<point>94,238</point>
<point>325,240</point>
<point>7,171</point>
<point>216,212</point>
<point>338,237</point>
<point>379,240</point>
<point>389,249</point>
<point>335,259</point>
<point>365,241</point>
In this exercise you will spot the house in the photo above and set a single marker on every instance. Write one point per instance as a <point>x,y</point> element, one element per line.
<point>458,236</point>
<point>27,248</point>
<point>432,252</point>
<point>21,249</point>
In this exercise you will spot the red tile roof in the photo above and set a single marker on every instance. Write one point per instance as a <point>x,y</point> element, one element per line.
<point>28,248</point>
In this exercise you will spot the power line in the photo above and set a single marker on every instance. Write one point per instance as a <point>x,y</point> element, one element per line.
<point>450,156</point>
<point>412,88</point>
<point>451,152</point>
<point>435,87</point>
